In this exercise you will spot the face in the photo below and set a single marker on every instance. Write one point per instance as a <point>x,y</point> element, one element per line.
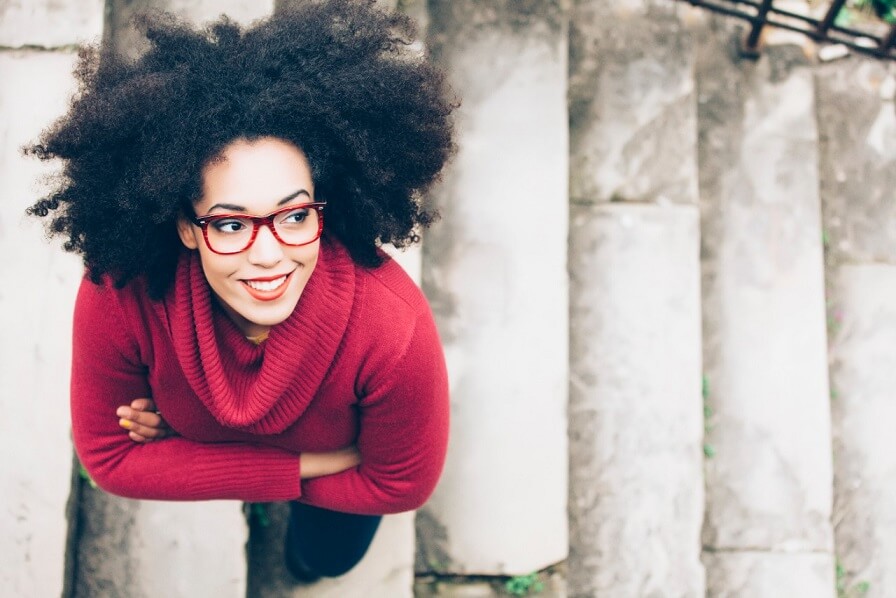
<point>260,286</point>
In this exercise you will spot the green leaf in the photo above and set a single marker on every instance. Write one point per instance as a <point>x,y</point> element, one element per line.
<point>709,451</point>
<point>86,476</point>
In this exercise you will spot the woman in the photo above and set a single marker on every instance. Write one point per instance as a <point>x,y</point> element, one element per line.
<point>228,192</point>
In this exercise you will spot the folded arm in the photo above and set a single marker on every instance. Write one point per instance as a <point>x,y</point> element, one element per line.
<point>403,434</point>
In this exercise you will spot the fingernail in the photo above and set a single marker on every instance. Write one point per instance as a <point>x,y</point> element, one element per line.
<point>125,423</point>
<point>122,412</point>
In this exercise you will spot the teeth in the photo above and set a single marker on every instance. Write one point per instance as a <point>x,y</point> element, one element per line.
<point>266,285</point>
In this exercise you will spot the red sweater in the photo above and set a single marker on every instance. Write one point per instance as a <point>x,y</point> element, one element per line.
<point>359,361</point>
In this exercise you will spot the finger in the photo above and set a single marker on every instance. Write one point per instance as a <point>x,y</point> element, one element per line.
<point>140,429</point>
<point>149,419</point>
<point>138,438</point>
<point>143,404</point>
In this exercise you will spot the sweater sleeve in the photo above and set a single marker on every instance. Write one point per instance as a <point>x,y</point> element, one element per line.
<point>403,434</point>
<point>107,372</point>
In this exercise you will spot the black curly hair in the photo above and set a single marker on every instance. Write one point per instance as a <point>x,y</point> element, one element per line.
<point>335,78</point>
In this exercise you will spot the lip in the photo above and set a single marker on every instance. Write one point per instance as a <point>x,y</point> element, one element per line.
<point>267,295</point>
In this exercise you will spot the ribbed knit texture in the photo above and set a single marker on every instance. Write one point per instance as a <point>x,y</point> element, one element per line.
<point>264,388</point>
<point>358,362</point>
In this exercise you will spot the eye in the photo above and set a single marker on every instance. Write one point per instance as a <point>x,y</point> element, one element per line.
<point>295,217</point>
<point>229,225</point>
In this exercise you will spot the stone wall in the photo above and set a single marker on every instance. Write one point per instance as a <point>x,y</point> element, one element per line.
<point>38,43</point>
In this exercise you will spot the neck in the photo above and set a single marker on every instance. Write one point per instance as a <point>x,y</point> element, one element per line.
<point>249,329</point>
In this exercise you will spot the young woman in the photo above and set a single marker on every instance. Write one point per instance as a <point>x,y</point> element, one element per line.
<point>239,334</point>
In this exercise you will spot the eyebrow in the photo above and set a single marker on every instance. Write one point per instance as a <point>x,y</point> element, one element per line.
<point>235,208</point>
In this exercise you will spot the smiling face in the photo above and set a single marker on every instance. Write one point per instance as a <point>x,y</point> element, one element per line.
<point>258,287</point>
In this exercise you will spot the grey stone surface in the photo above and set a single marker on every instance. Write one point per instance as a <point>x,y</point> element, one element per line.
<point>863,379</point>
<point>35,316</point>
<point>857,130</point>
<point>50,23</point>
<point>769,483</point>
<point>104,560</point>
<point>494,269</point>
<point>139,549</point>
<point>635,423</point>
<point>857,124</point>
<point>129,42</point>
<point>769,575</point>
<point>631,102</point>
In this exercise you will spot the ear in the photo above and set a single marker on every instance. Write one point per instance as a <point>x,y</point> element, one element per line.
<point>187,233</point>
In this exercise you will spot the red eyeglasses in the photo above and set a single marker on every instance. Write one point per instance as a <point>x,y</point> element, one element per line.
<point>295,225</point>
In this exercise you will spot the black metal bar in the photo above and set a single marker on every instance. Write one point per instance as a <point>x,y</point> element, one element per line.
<point>831,16</point>
<point>887,42</point>
<point>759,22</point>
<point>875,46</point>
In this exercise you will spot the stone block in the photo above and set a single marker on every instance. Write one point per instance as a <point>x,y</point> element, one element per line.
<point>494,269</point>
<point>35,316</point>
<point>386,569</point>
<point>765,348</point>
<point>769,575</point>
<point>635,414</point>
<point>857,132</point>
<point>863,379</point>
<point>632,108</point>
<point>50,23</point>
<point>148,548</point>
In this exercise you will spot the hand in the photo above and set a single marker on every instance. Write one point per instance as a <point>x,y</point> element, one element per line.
<point>142,421</point>
<point>313,465</point>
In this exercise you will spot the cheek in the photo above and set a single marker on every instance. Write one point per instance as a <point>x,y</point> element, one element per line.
<point>306,256</point>
<point>216,266</point>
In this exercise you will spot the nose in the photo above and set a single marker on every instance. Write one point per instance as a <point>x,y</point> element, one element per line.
<point>266,250</point>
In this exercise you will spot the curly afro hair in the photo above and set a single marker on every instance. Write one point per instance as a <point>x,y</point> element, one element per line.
<point>335,78</point>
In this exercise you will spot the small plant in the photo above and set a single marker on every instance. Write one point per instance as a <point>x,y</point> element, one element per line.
<point>86,476</point>
<point>856,10</point>
<point>524,585</point>
<point>844,591</point>
<point>257,512</point>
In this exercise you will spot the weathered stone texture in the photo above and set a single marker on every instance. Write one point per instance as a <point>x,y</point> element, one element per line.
<point>631,102</point>
<point>863,378</point>
<point>857,123</point>
<point>50,23</point>
<point>35,315</point>
<point>769,575</point>
<point>386,570</point>
<point>137,549</point>
<point>636,487</point>
<point>857,129</point>
<point>494,271</point>
<point>128,41</point>
<point>769,483</point>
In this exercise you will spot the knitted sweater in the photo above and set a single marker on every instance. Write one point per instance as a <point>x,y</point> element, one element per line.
<point>358,362</point>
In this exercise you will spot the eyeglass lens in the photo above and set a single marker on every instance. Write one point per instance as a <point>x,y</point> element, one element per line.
<point>234,234</point>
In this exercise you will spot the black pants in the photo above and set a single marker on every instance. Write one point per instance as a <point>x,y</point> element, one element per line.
<point>328,543</point>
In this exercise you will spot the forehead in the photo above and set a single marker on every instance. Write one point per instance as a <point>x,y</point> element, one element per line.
<point>255,174</point>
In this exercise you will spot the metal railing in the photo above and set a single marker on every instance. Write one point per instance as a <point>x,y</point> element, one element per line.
<point>878,40</point>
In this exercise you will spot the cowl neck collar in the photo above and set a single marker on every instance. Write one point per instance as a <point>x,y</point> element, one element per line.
<point>261,389</point>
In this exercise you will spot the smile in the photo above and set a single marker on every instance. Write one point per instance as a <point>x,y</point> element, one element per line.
<point>267,289</point>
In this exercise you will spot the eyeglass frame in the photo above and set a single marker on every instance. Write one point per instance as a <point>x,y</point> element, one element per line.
<point>257,221</point>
